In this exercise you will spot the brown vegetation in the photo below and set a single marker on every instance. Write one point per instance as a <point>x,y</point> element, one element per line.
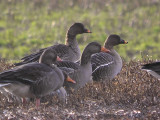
<point>132,94</point>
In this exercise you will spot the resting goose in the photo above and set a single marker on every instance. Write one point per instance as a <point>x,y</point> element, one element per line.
<point>81,73</point>
<point>106,66</point>
<point>35,80</point>
<point>69,51</point>
<point>153,69</point>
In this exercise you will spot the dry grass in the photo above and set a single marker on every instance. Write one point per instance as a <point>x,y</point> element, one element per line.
<point>133,94</point>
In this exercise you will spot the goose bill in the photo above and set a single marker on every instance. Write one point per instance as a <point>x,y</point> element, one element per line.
<point>58,58</point>
<point>125,42</point>
<point>70,80</point>
<point>87,31</point>
<point>103,49</point>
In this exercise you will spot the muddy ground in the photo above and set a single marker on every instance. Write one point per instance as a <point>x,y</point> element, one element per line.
<point>133,94</point>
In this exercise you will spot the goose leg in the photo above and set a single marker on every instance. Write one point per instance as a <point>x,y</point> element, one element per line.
<point>24,101</point>
<point>37,102</point>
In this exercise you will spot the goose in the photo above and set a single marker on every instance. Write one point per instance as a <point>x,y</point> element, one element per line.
<point>81,73</point>
<point>69,51</point>
<point>153,69</point>
<point>107,65</point>
<point>35,80</point>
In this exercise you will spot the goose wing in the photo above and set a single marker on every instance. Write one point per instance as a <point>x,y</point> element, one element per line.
<point>66,70</point>
<point>67,64</point>
<point>26,74</point>
<point>101,58</point>
<point>61,50</point>
<point>152,66</point>
<point>103,72</point>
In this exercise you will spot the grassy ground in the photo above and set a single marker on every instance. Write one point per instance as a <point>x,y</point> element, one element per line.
<point>133,94</point>
<point>27,25</point>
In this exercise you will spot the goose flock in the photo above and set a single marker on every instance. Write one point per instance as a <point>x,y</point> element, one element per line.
<point>62,67</point>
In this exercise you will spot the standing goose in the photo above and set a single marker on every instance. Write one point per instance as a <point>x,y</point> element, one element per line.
<point>81,73</point>
<point>107,65</point>
<point>35,80</point>
<point>153,69</point>
<point>69,51</point>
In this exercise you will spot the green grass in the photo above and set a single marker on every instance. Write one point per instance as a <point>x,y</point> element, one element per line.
<point>26,26</point>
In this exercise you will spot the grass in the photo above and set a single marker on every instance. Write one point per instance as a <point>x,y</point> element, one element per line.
<point>26,26</point>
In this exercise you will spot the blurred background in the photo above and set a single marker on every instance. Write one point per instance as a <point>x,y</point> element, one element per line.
<point>28,25</point>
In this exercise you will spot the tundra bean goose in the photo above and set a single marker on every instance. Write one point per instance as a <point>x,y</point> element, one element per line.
<point>69,51</point>
<point>35,80</point>
<point>82,73</point>
<point>107,65</point>
<point>153,69</point>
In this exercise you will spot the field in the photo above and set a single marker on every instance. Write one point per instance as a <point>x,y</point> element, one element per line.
<point>27,25</point>
<point>133,94</point>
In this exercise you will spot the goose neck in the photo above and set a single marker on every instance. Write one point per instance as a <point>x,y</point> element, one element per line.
<point>73,44</point>
<point>85,58</point>
<point>110,47</point>
<point>116,56</point>
<point>70,39</point>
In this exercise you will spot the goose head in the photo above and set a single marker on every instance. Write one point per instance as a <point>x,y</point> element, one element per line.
<point>114,40</point>
<point>94,47</point>
<point>91,49</point>
<point>78,28</point>
<point>48,57</point>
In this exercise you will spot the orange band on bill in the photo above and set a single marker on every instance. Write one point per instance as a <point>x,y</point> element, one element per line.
<point>58,58</point>
<point>70,80</point>
<point>103,49</point>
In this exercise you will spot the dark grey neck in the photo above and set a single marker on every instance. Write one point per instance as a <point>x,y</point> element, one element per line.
<point>109,47</point>
<point>70,39</point>
<point>72,43</point>
<point>85,58</point>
